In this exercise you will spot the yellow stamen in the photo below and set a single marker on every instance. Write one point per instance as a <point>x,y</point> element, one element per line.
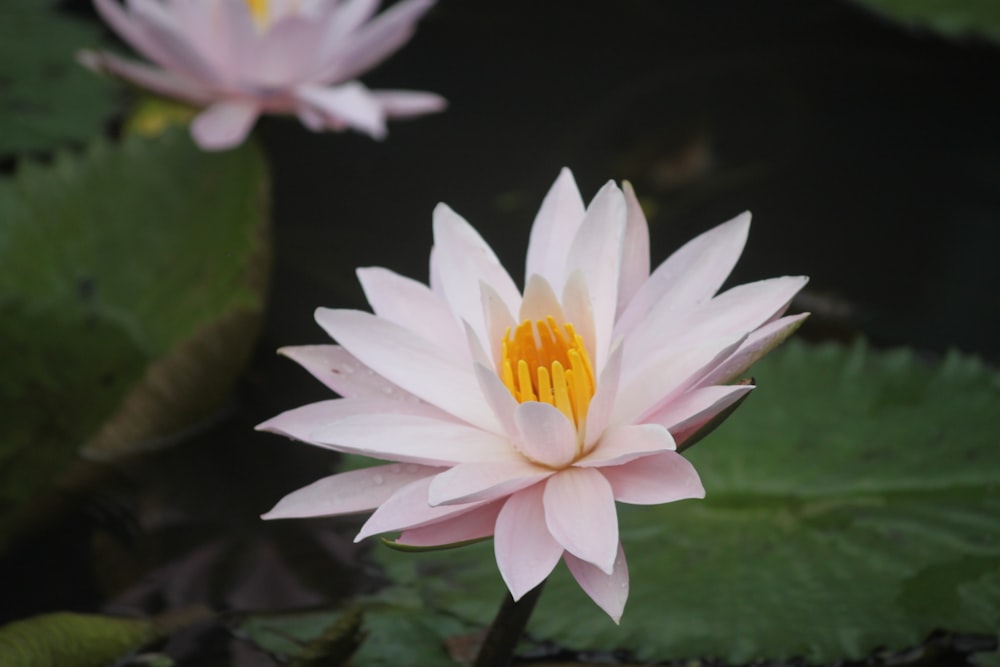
<point>543,361</point>
<point>259,12</point>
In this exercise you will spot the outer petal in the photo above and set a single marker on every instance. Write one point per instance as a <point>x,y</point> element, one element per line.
<point>557,222</point>
<point>341,371</point>
<point>697,407</point>
<point>301,422</point>
<point>423,369</point>
<point>580,514</point>
<point>692,274</point>
<point>547,436</point>
<point>408,509</point>
<point>414,439</point>
<point>525,551</point>
<point>757,344</point>
<point>471,525</point>
<point>635,250</point>
<point>474,482</point>
<point>349,492</point>
<point>412,305</point>
<point>162,82</point>
<point>224,124</point>
<point>609,591</point>
<point>627,443</point>
<point>409,103</point>
<point>350,104</point>
<point>662,478</point>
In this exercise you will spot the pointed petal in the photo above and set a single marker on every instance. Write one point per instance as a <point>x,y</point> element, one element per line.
<point>525,551</point>
<point>350,104</point>
<point>472,525</point>
<point>696,407</point>
<point>412,305</point>
<point>341,371</point>
<point>474,482</point>
<point>500,399</point>
<point>609,591</point>
<point>499,321</point>
<point>603,402</point>
<point>580,514</point>
<point>349,492</point>
<point>409,103</point>
<point>224,125</point>
<point>414,439</point>
<point>757,344</point>
<point>463,261</point>
<point>578,308</point>
<point>692,274</point>
<point>540,301</point>
<point>596,252</point>
<point>423,369</point>
<point>408,509</point>
<point>162,82</point>
<point>547,436</point>
<point>662,478</point>
<point>622,444</point>
<point>300,423</point>
<point>554,227</point>
<point>635,250</point>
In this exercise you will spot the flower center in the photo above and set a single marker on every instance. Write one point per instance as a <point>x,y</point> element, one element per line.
<point>544,362</point>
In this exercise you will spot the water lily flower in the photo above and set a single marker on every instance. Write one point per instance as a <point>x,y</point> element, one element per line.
<point>243,58</point>
<point>526,416</point>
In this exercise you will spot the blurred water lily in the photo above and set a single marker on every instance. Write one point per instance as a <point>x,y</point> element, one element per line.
<point>243,58</point>
<point>526,416</point>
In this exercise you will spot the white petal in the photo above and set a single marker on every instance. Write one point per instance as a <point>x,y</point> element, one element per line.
<point>423,369</point>
<point>547,436</point>
<point>635,250</point>
<point>412,305</point>
<point>473,482</point>
<point>224,125</point>
<point>540,301</point>
<point>580,514</point>
<point>580,313</point>
<point>472,525</point>
<point>662,478</point>
<point>627,443</point>
<point>525,551</point>
<point>350,104</point>
<point>757,344</point>
<point>349,492</point>
<point>301,422</point>
<point>409,103</point>
<point>697,407</point>
<point>341,371</point>
<point>603,402</point>
<point>692,274</point>
<point>162,82</point>
<point>408,508</point>
<point>500,399</point>
<point>499,321</point>
<point>552,232</point>
<point>609,591</point>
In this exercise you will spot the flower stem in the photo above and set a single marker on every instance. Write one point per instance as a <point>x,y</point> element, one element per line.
<point>508,626</point>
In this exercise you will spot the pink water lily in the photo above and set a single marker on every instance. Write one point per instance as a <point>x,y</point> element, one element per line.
<point>243,58</point>
<point>526,416</point>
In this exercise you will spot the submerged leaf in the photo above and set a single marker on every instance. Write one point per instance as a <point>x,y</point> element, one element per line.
<point>853,504</point>
<point>65,639</point>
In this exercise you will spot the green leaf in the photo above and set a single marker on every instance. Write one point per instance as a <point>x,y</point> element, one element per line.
<point>65,639</point>
<point>980,18</point>
<point>47,99</point>
<point>129,301</point>
<point>853,503</point>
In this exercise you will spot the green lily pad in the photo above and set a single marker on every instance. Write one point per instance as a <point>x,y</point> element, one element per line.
<point>47,99</point>
<point>65,639</point>
<point>979,18</point>
<point>853,503</point>
<point>129,300</point>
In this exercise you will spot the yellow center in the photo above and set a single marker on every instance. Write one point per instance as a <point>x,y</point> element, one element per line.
<point>259,12</point>
<point>544,362</point>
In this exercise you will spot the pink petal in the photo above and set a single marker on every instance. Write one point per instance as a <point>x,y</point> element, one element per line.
<point>413,439</point>
<point>421,368</point>
<point>472,525</point>
<point>162,39</point>
<point>501,401</point>
<point>547,436</point>
<point>540,301</point>
<point>282,55</point>
<point>301,422</point>
<point>580,313</point>
<point>697,407</point>
<point>409,103</point>
<point>757,344</point>
<point>603,402</point>
<point>224,125</point>
<point>474,482</point>
<point>162,82</point>
<point>341,371</point>
<point>555,226</point>
<point>463,261</point>
<point>374,42</point>
<point>596,252</point>
<point>525,551</point>
<point>408,509</point>
<point>692,274</point>
<point>622,444</point>
<point>412,305</point>
<point>350,104</point>
<point>609,591</point>
<point>635,250</point>
<point>662,478</point>
<point>349,492</point>
<point>580,514</point>
<point>498,321</point>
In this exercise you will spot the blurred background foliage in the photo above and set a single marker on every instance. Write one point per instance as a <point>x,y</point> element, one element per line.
<point>853,502</point>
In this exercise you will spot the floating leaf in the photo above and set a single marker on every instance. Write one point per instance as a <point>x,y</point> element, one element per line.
<point>47,99</point>
<point>65,639</point>
<point>979,18</point>
<point>130,296</point>
<point>853,503</point>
